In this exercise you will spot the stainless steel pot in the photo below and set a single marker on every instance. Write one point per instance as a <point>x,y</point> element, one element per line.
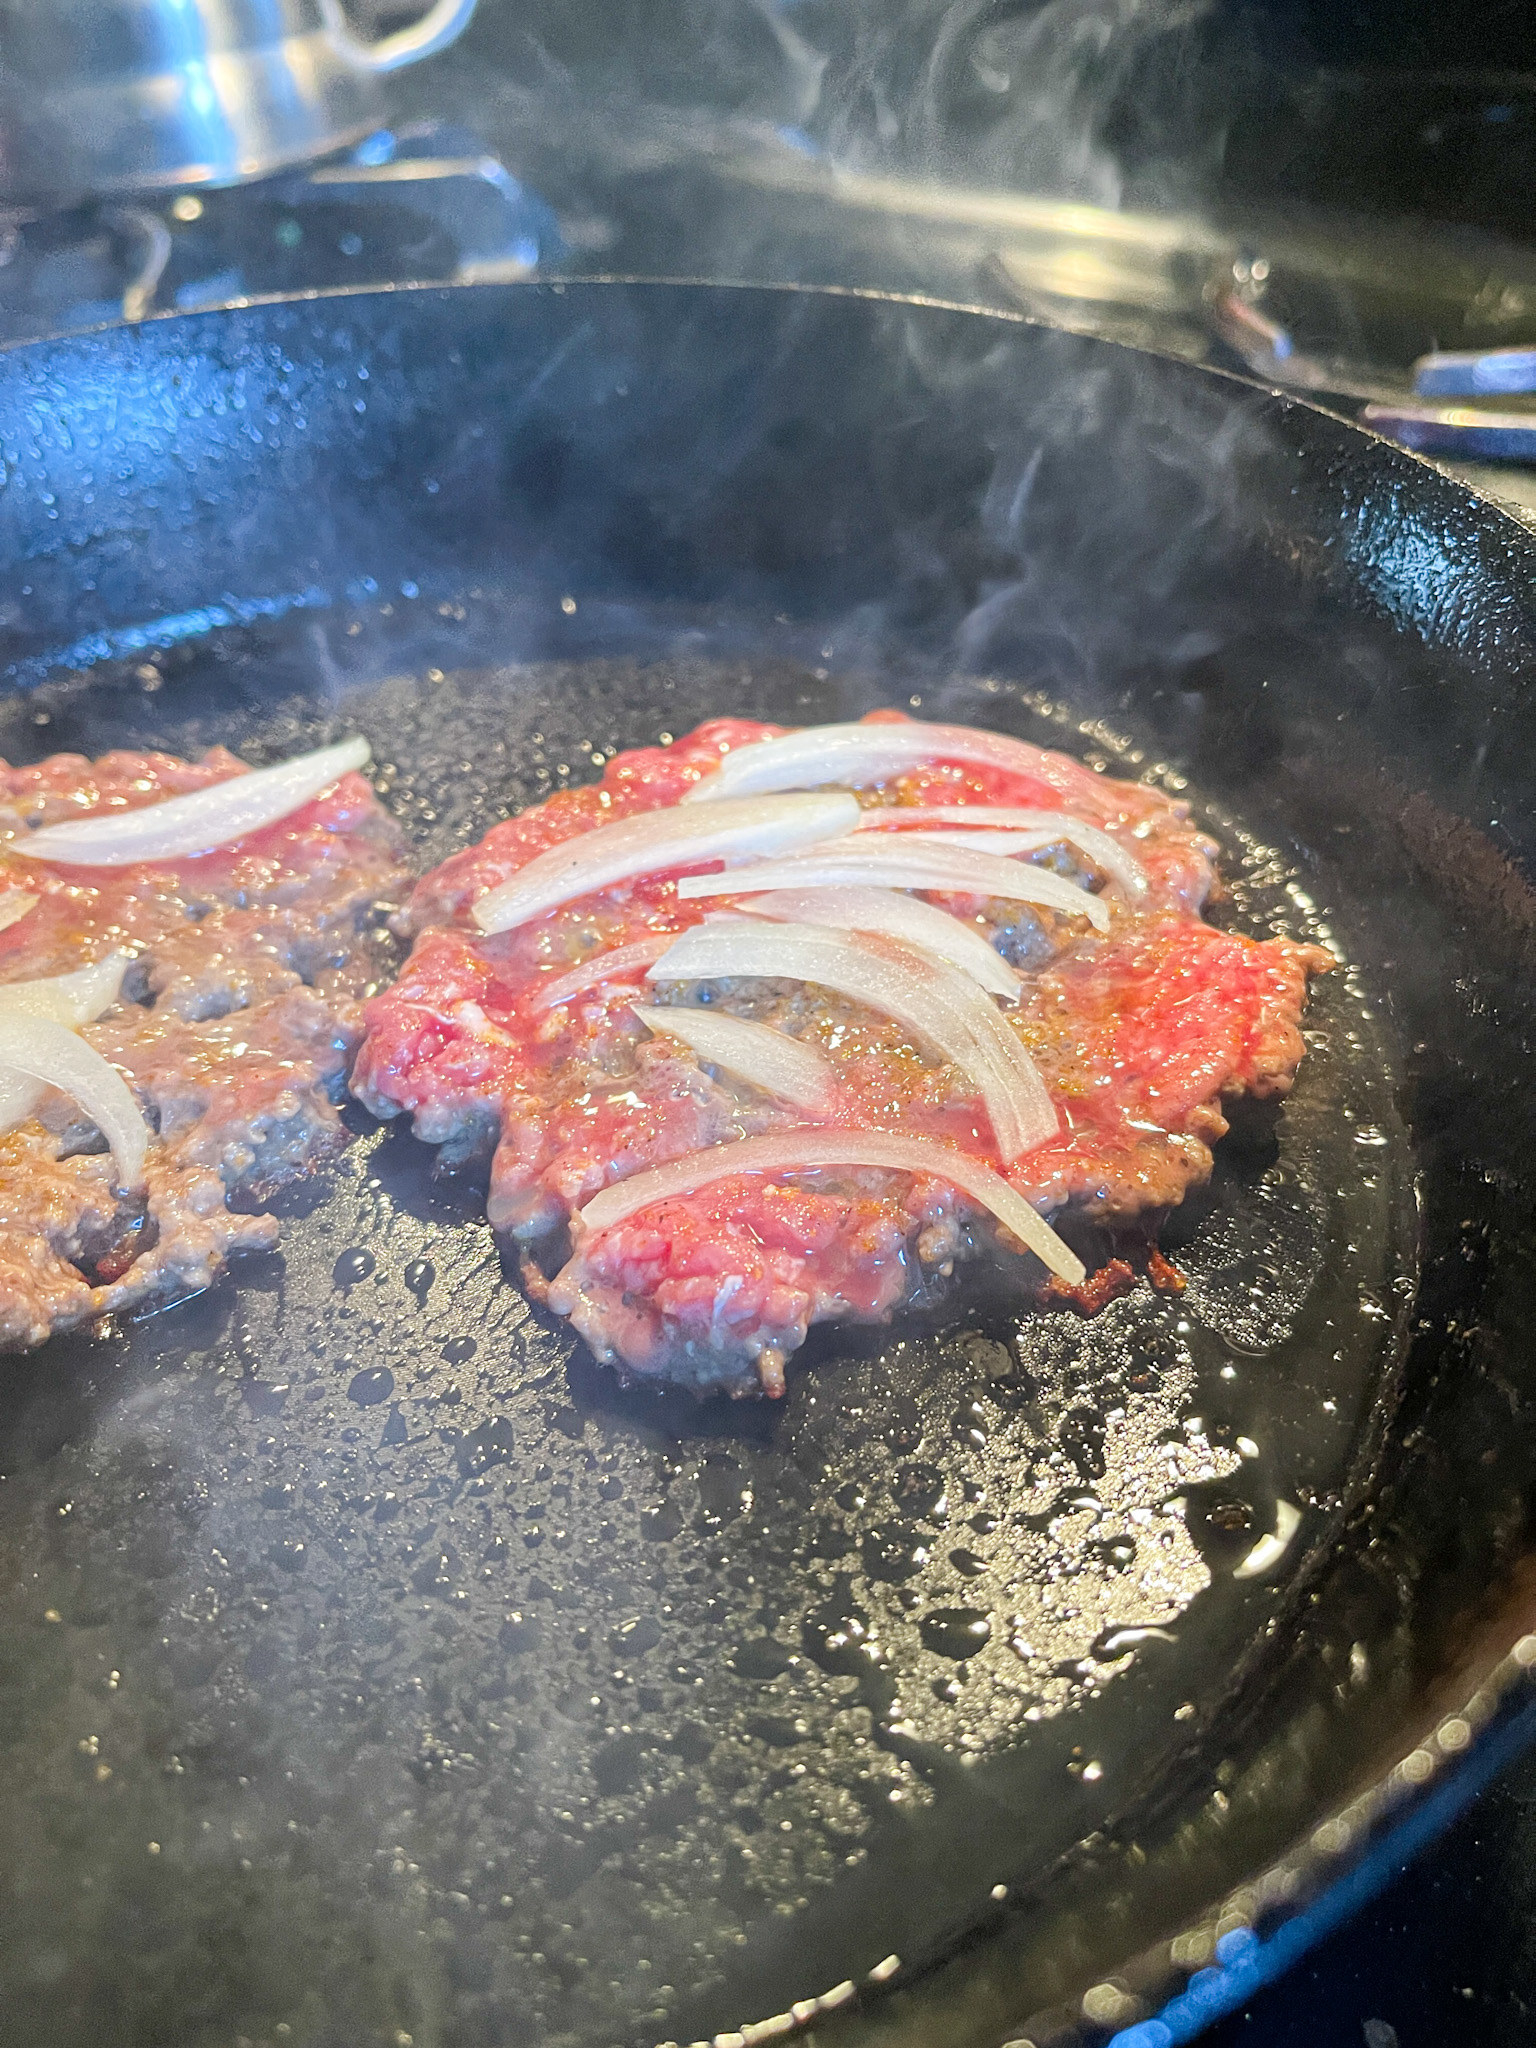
<point>148,95</point>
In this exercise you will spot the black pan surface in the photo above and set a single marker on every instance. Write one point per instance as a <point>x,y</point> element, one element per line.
<point>371,1666</point>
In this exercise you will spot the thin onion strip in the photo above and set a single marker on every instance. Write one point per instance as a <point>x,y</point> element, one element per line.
<point>19,1097</point>
<point>1045,828</point>
<point>655,842</point>
<point>771,1060</point>
<point>182,826</point>
<point>906,919</point>
<point>1009,844</point>
<point>793,1152</point>
<point>40,1049</point>
<point>14,905</point>
<point>940,1005</point>
<point>886,861</point>
<point>869,753</point>
<point>619,964</point>
<point>73,999</point>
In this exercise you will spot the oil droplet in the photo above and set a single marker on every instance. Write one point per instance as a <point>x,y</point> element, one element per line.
<point>970,1424</point>
<point>519,1633</point>
<point>265,1397</point>
<point>837,1638</point>
<point>634,1638</point>
<point>661,1524</point>
<point>1115,1642</point>
<point>419,1275</point>
<point>967,1563</point>
<point>957,1632</point>
<point>919,1490</point>
<point>762,1659</point>
<point>490,1444</point>
<point>892,1553</point>
<point>1081,1436</point>
<point>988,1355</point>
<point>374,1384</point>
<point>458,1350</point>
<point>903,1429</point>
<point>1013,1389</point>
<point>352,1266</point>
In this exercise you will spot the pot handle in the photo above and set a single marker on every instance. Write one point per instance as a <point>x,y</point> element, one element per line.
<point>435,31</point>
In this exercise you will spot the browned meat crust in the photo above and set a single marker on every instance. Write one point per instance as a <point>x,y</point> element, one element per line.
<point>240,1014</point>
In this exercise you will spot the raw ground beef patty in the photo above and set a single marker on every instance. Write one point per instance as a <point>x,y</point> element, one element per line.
<point>240,1010</point>
<point>1138,1032</point>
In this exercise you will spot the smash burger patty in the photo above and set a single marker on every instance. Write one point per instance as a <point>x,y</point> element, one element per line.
<point>966,983</point>
<point>233,1009</point>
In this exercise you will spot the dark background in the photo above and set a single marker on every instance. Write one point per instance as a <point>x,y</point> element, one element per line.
<point>1396,107</point>
<point>1446,1955</point>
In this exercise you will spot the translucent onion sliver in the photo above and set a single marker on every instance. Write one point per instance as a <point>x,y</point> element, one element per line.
<point>19,1097</point>
<point>770,1060</point>
<point>1045,828</point>
<point>814,1151</point>
<point>14,905</point>
<point>864,753</point>
<point>652,842</point>
<point>936,1002</point>
<point>181,826</point>
<point>620,963</point>
<point>73,999</point>
<point>907,919</point>
<point>885,860</point>
<point>40,1049</point>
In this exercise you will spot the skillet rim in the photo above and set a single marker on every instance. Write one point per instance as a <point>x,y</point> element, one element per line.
<point>1476,1719</point>
<point>1014,316</point>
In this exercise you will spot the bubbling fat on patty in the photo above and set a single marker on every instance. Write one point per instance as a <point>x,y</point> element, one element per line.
<point>770,1028</point>
<point>176,1025</point>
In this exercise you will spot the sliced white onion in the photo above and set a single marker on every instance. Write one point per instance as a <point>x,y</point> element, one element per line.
<point>180,826</point>
<point>813,1151</point>
<point>886,861</point>
<point>73,999</point>
<point>619,963</point>
<point>14,905</point>
<point>40,1049</point>
<point>19,1097</point>
<point>941,1006</point>
<point>907,919</point>
<point>1045,828</point>
<point>651,842</point>
<point>863,753</point>
<point>1009,844</point>
<point>771,1060</point>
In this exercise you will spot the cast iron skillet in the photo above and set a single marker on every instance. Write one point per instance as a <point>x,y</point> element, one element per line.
<point>371,1667</point>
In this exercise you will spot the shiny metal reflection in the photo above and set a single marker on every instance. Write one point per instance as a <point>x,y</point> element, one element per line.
<point>148,95</point>
<point>1475,373</point>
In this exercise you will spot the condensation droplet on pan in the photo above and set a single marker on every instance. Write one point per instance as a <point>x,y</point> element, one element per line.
<point>353,1265</point>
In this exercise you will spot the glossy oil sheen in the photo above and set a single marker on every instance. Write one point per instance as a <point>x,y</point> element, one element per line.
<point>371,1663</point>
